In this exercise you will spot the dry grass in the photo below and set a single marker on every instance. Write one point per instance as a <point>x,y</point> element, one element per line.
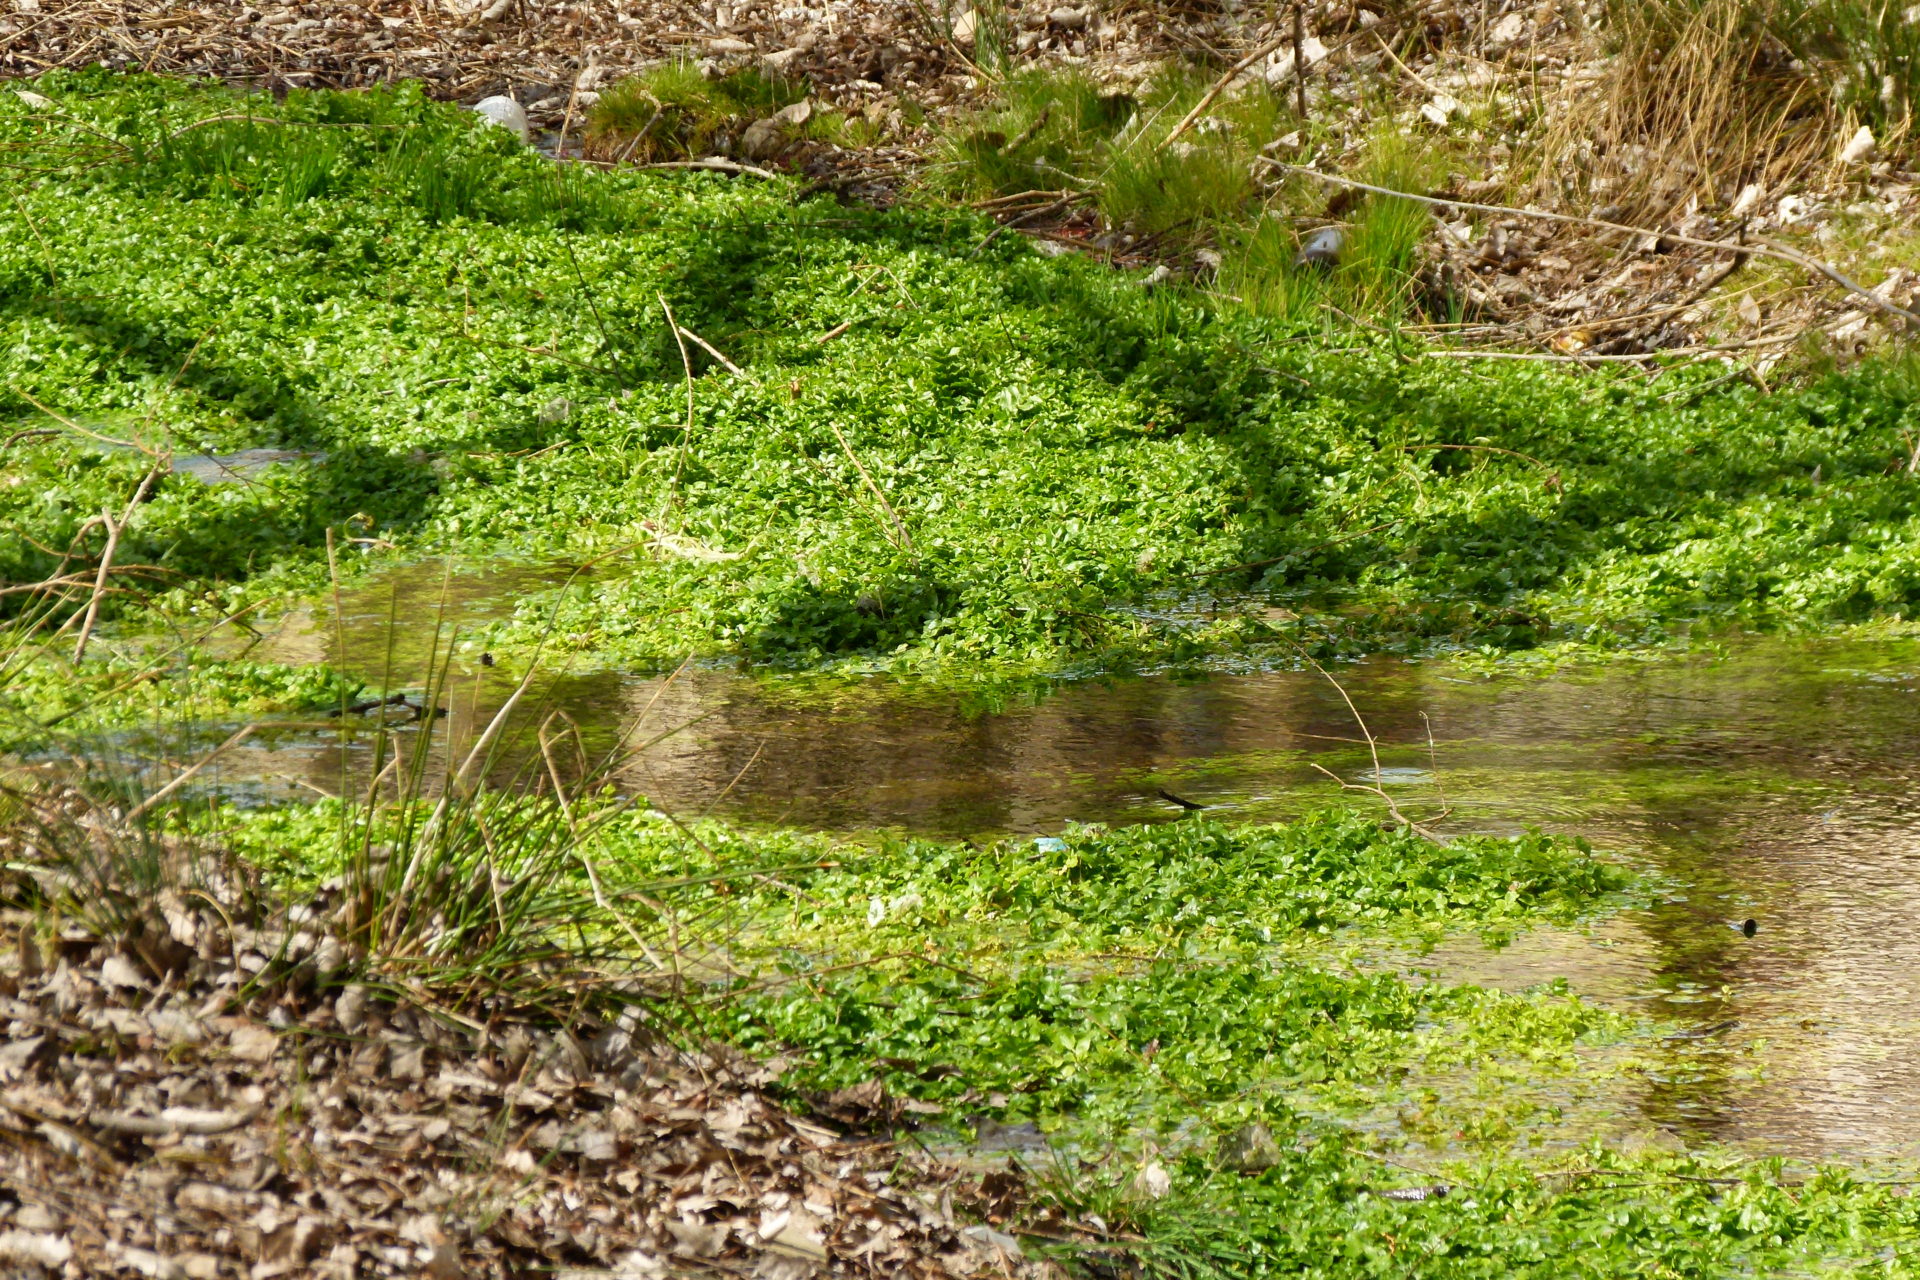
<point>1695,100</point>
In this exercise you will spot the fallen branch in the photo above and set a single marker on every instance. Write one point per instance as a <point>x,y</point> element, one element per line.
<point>713,163</point>
<point>1219,86</point>
<point>1764,249</point>
<point>713,351</point>
<point>1550,357</point>
<point>172,1122</point>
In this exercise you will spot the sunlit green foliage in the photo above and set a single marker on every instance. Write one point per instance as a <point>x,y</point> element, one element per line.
<point>1145,994</point>
<point>1001,459</point>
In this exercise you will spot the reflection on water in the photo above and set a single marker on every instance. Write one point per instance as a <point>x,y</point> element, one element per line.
<point>1770,784</point>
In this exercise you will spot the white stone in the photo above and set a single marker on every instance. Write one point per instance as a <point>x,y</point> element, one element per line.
<point>1859,147</point>
<point>505,112</point>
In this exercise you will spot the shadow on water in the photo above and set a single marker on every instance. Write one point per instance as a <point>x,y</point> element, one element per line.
<point>1771,783</point>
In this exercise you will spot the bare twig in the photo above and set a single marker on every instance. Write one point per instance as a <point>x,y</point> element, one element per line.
<point>686,363</point>
<point>99,584</point>
<point>713,351</point>
<point>714,163</point>
<point>1231,74</point>
<point>1300,59</point>
<point>900,535</point>
<point>239,736</point>
<point>71,425</point>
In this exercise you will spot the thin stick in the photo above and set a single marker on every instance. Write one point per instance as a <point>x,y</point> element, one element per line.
<point>900,530</point>
<point>634,142</point>
<point>1433,763</point>
<point>713,351</point>
<point>566,121</point>
<point>245,732</point>
<point>99,584</point>
<point>1232,73</point>
<point>715,163</point>
<point>1765,248</point>
<point>1456,353</point>
<point>71,425</point>
<point>833,333</point>
<point>686,363</point>
<point>1411,74</point>
<point>728,789</point>
<point>1300,58</point>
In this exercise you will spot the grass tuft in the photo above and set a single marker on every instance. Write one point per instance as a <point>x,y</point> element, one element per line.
<point>674,111</point>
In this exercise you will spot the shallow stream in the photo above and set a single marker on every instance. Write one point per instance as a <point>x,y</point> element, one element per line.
<point>1771,782</point>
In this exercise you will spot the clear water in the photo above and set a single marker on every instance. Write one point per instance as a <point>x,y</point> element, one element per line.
<point>1771,782</point>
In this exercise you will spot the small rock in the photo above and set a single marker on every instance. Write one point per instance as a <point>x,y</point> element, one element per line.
<point>727,44</point>
<point>1250,1149</point>
<point>1859,147</point>
<point>118,971</point>
<point>1749,197</point>
<point>1152,1182</point>
<point>1068,19</point>
<point>762,140</point>
<point>1280,69</point>
<point>1507,30</point>
<point>350,1010</point>
<point>505,112</point>
<point>966,27</point>
<point>25,1248</point>
<point>1322,249</point>
<point>36,1217</point>
<point>254,1044</point>
<point>1440,108</point>
<point>408,1064</point>
<point>1792,210</point>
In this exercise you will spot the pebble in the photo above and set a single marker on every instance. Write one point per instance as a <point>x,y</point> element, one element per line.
<point>505,112</point>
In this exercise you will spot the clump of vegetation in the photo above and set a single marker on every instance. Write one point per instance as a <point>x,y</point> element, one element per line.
<point>675,111</point>
<point>1062,130</point>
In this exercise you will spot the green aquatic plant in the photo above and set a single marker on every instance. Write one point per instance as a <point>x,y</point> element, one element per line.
<point>1179,1010</point>
<point>887,441</point>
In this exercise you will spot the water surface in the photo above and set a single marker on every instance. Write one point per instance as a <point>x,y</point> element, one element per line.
<point>1772,782</point>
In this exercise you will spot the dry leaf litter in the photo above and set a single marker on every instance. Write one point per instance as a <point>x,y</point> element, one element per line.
<point>196,1096</point>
